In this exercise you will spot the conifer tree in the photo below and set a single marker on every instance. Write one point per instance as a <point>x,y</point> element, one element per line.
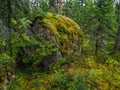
<point>117,43</point>
<point>53,5</point>
<point>105,24</point>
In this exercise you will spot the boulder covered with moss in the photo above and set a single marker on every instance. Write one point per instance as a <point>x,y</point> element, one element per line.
<point>50,37</point>
<point>61,30</point>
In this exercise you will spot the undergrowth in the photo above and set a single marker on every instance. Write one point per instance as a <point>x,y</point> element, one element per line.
<point>81,74</point>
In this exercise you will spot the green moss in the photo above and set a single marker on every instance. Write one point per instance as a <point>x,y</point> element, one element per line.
<point>67,33</point>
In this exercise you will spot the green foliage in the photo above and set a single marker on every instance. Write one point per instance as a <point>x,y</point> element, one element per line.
<point>111,62</point>
<point>3,36</point>
<point>79,84</point>
<point>62,61</point>
<point>35,56</point>
<point>63,82</point>
<point>6,62</point>
<point>116,56</point>
<point>46,48</point>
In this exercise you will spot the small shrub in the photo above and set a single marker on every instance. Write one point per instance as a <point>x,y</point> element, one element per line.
<point>58,64</point>
<point>68,83</point>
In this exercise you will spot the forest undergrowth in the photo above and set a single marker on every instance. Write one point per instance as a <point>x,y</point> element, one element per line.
<point>87,73</point>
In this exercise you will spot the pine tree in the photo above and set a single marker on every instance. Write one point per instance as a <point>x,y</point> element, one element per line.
<point>67,8</point>
<point>53,6</point>
<point>117,43</point>
<point>106,24</point>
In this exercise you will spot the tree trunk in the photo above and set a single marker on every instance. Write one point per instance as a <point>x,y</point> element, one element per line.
<point>117,42</point>
<point>59,6</point>
<point>98,31</point>
<point>9,13</point>
<point>9,16</point>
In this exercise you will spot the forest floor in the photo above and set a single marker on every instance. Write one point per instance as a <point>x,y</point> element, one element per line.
<point>80,74</point>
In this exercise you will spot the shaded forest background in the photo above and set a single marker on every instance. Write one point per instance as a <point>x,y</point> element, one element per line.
<point>97,67</point>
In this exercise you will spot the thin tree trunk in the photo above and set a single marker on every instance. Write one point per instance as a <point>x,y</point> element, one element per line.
<point>97,32</point>
<point>97,40</point>
<point>117,42</point>
<point>59,6</point>
<point>9,16</point>
<point>96,47</point>
<point>9,13</point>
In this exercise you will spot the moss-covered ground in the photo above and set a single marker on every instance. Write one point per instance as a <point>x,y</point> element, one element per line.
<point>87,73</point>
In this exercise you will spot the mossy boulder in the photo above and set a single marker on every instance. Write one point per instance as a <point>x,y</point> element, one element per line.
<point>61,30</point>
<point>49,38</point>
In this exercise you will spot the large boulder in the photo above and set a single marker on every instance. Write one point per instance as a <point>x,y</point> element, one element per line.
<point>61,30</point>
<point>58,36</point>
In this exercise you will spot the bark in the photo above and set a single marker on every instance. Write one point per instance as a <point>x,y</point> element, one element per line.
<point>59,6</point>
<point>98,32</point>
<point>9,16</point>
<point>9,9</point>
<point>117,42</point>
